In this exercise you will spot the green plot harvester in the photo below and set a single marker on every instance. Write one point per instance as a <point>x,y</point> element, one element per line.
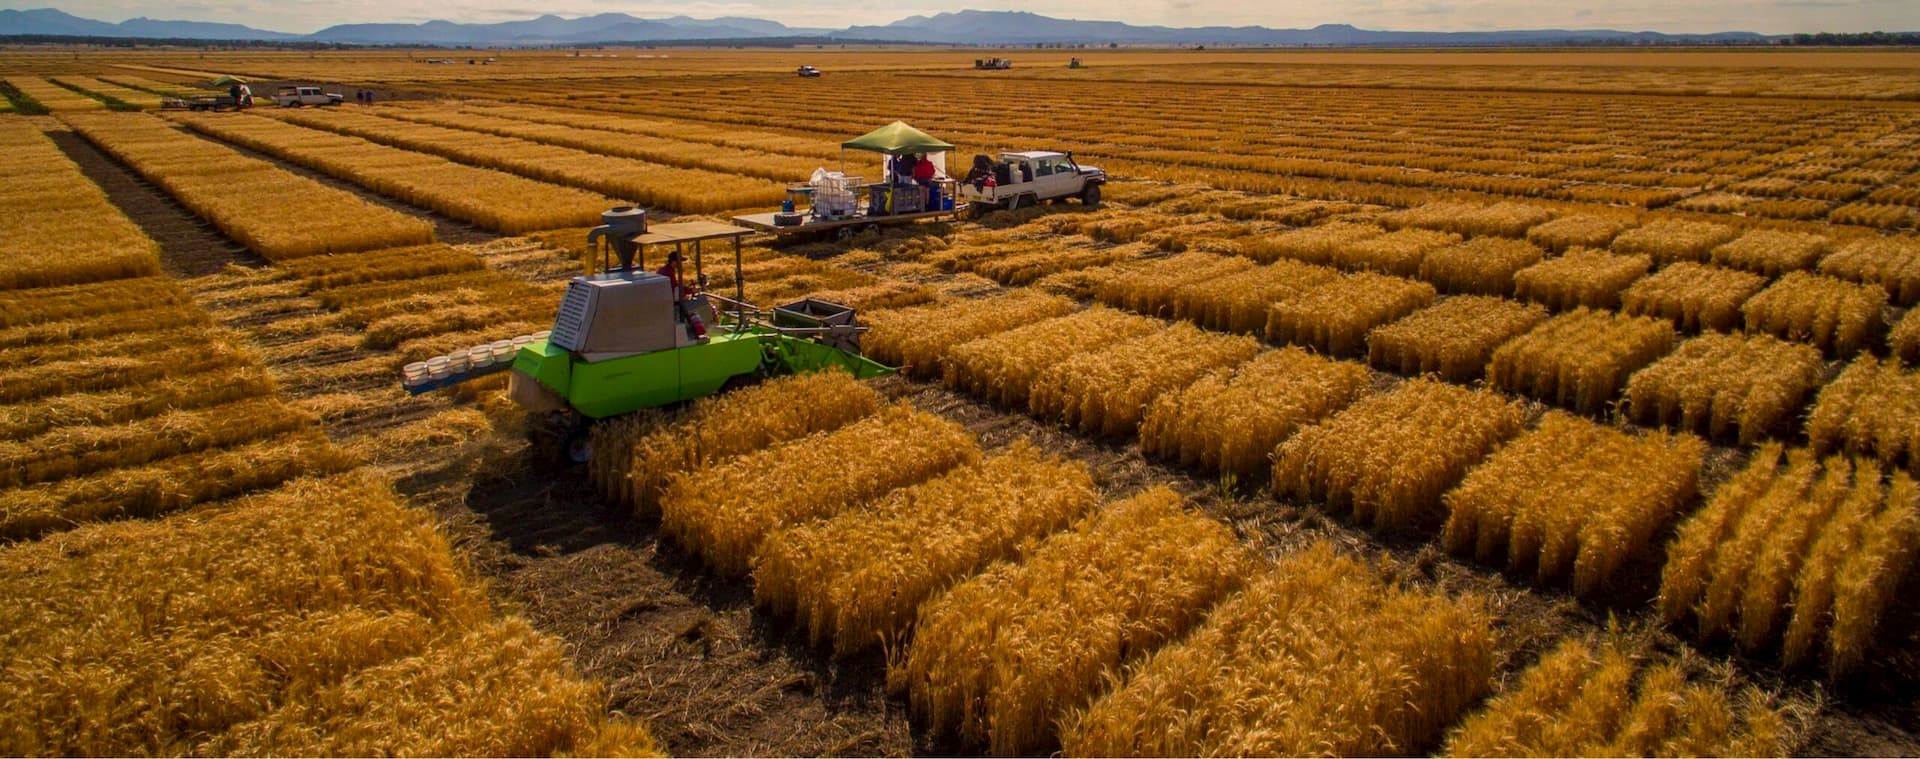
<point>623,341</point>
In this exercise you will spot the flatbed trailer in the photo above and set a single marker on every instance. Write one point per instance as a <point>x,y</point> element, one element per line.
<point>763,222</point>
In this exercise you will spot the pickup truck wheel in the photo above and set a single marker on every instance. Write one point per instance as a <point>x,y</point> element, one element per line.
<point>1091,195</point>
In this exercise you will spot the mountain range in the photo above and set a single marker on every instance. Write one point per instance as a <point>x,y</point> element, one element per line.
<point>956,28</point>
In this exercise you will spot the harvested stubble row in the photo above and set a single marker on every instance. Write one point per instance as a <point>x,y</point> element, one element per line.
<point>1891,262</point>
<point>273,212</point>
<point>1581,277</point>
<point>1004,367</point>
<point>1673,241</point>
<point>494,200</point>
<point>1453,339</point>
<point>683,190</point>
<point>1583,700</point>
<point>137,490</point>
<point>1239,302</point>
<point>1316,245</point>
<point>998,659</point>
<point>1836,316</point>
<point>321,618</point>
<point>1481,266</point>
<point>857,578</point>
<point>1797,557</point>
<point>1716,383</point>
<point>98,373</point>
<point>1504,219</point>
<point>1579,231</point>
<point>84,308</point>
<point>1581,359</point>
<point>770,142</point>
<point>1694,296</point>
<point>110,323</point>
<point>1399,253</point>
<point>1388,457</point>
<point>1231,420</point>
<point>918,338</point>
<point>1872,408</point>
<point>635,458</point>
<point>1334,317</point>
<point>70,451</point>
<point>1771,252</point>
<point>45,198</point>
<point>1628,487</point>
<point>125,404</point>
<point>1320,654</point>
<point>1107,392</point>
<point>1149,287</point>
<point>723,512</point>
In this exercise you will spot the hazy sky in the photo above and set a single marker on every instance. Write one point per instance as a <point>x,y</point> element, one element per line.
<point>1765,16</point>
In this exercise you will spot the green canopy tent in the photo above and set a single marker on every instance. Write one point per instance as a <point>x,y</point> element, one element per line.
<point>226,81</point>
<point>900,138</point>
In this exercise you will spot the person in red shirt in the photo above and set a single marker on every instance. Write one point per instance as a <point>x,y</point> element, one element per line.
<point>923,174</point>
<point>671,270</point>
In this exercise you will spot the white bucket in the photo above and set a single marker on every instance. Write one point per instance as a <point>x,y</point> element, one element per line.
<point>479,356</point>
<point>414,373</point>
<point>542,335</point>
<point>503,350</point>
<point>457,361</point>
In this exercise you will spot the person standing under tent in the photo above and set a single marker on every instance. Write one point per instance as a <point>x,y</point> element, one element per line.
<point>923,173</point>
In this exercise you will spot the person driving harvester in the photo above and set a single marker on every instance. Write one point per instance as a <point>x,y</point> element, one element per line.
<point>671,270</point>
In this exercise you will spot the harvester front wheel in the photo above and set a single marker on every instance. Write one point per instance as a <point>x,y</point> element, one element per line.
<point>560,439</point>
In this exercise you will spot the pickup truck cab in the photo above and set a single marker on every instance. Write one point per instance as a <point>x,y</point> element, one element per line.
<point>294,97</point>
<point>1024,179</point>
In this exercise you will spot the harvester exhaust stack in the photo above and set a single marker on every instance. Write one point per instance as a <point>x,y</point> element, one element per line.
<point>620,225</point>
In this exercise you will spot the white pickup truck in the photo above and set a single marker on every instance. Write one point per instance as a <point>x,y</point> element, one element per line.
<point>294,97</point>
<point>1019,180</point>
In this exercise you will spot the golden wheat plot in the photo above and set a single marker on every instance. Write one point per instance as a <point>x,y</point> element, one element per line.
<point>1771,252</point>
<point>1872,408</point>
<point>44,198</point>
<point>1314,245</point>
<point>1231,420</point>
<point>1579,231</point>
<point>1672,241</point>
<point>1318,655</point>
<point>260,627</point>
<point>1387,458</point>
<point>634,460</point>
<point>1481,266</point>
<point>917,338</point>
<point>1903,341</point>
<point>1004,367</point>
<point>54,97</point>
<point>250,200</point>
<point>1628,486</point>
<point>1834,315</point>
<point>1334,317</point>
<point>723,512</point>
<point>1587,700</point>
<point>1239,302</point>
<point>1580,360</point>
<point>1715,384</point>
<point>1107,392</point>
<point>998,659</point>
<point>494,200</point>
<point>1695,296</point>
<point>857,578</point>
<point>1581,277</point>
<point>1797,557</point>
<point>1454,338</point>
<point>1149,288</point>
<point>1399,253</point>
<point>1891,262</point>
<point>1495,220</point>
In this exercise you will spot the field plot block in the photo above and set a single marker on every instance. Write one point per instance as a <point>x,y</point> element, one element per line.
<point>1579,360</point>
<point>1716,384</point>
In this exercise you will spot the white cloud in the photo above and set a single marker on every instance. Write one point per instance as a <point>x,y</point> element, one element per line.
<point>1767,16</point>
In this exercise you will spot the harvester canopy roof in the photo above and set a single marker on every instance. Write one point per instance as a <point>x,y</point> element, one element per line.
<point>897,138</point>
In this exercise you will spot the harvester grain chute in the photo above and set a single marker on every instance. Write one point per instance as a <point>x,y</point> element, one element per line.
<point>625,341</point>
